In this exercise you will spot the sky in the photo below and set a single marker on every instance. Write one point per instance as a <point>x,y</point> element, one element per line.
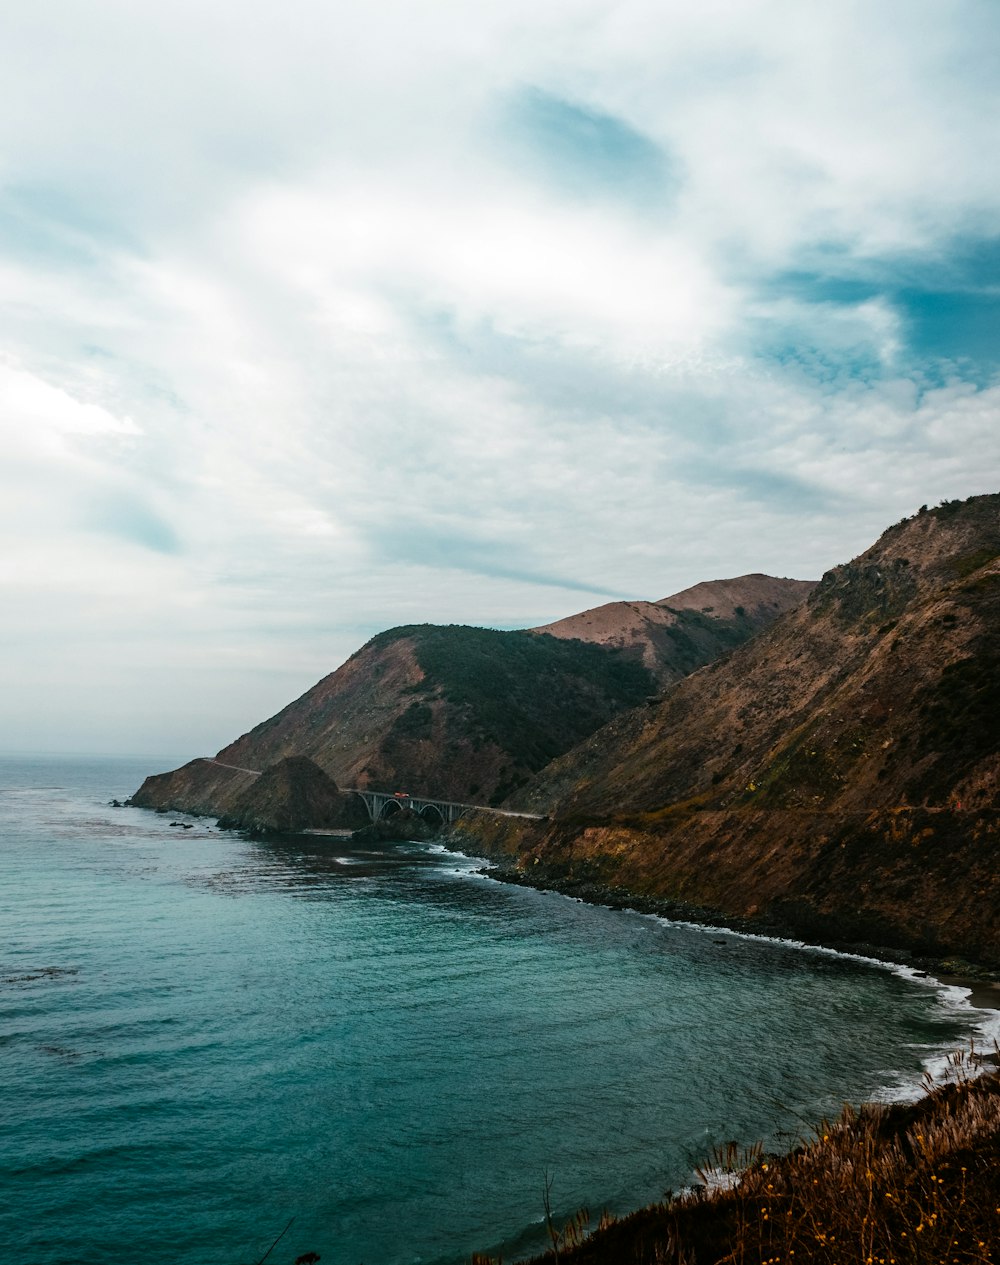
<point>323,317</point>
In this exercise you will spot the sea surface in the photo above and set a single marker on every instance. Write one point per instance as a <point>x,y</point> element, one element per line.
<point>204,1037</point>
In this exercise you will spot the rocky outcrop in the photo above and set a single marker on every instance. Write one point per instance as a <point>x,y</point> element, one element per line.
<point>401,827</point>
<point>290,795</point>
<point>471,713</point>
<point>202,786</point>
<point>294,794</point>
<point>459,713</point>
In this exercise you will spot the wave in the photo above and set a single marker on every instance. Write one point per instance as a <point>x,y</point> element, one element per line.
<point>941,1062</point>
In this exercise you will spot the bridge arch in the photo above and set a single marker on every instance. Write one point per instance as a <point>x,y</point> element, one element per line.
<point>384,804</point>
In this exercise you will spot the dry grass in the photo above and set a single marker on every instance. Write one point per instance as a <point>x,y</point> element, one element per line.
<point>902,1185</point>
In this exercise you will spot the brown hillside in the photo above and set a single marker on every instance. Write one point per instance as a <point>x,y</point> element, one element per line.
<point>337,724</point>
<point>677,634</point>
<point>842,768</point>
<point>294,794</point>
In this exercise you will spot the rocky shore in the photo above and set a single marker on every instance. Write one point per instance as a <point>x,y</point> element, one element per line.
<point>950,968</point>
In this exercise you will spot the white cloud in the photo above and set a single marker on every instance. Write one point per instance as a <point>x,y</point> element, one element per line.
<point>33,408</point>
<point>297,344</point>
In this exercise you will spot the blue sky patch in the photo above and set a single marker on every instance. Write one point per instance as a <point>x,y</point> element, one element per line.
<point>130,520</point>
<point>584,153</point>
<point>39,221</point>
<point>948,303</point>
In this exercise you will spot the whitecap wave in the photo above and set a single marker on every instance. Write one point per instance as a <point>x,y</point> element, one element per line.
<point>942,1062</point>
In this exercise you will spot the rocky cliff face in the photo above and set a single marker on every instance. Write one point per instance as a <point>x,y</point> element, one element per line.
<point>469,713</point>
<point>843,768</point>
<point>201,786</point>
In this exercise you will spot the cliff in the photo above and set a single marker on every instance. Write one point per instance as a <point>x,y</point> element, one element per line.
<point>838,774</point>
<point>294,794</point>
<point>460,713</point>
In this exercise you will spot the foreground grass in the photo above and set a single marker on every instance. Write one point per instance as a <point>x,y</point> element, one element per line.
<point>901,1185</point>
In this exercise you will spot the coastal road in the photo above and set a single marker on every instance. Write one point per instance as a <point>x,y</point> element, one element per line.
<point>208,760</point>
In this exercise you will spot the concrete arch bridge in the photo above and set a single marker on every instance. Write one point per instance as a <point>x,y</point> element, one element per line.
<point>378,802</point>
<point>383,804</point>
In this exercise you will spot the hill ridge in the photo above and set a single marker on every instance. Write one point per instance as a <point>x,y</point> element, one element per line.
<point>456,711</point>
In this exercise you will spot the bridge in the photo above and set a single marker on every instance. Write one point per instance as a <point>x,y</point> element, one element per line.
<point>382,804</point>
<point>378,802</point>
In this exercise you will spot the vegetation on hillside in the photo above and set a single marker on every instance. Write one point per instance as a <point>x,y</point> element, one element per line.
<point>530,694</point>
<point>961,719</point>
<point>698,638</point>
<point>839,775</point>
<point>903,1185</point>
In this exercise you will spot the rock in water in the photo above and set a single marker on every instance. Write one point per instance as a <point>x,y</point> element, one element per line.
<point>400,827</point>
<point>294,794</point>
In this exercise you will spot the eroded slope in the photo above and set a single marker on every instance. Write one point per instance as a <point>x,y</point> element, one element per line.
<point>842,767</point>
<point>459,713</point>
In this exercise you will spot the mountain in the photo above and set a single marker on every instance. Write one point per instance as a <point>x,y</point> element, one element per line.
<point>469,714</point>
<point>839,774</point>
<point>677,634</point>
<point>459,713</point>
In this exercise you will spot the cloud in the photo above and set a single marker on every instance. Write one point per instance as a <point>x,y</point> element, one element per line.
<point>586,154</point>
<point>307,331</point>
<point>131,520</point>
<point>34,408</point>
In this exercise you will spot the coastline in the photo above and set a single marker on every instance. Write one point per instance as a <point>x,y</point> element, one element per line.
<point>883,1134</point>
<point>908,1182</point>
<point>980,989</point>
<point>949,970</point>
<point>968,991</point>
<point>983,994</point>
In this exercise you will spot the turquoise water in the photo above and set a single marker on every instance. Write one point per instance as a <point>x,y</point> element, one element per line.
<point>204,1036</point>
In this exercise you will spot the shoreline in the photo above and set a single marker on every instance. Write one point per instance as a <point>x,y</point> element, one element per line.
<point>979,989</point>
<point>983,994</point>
<point>982,981</point>
<point>867,1184</point>
<point>946,1072</point>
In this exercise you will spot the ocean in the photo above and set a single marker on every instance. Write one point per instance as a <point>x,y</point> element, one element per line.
<point>205,1037</point>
